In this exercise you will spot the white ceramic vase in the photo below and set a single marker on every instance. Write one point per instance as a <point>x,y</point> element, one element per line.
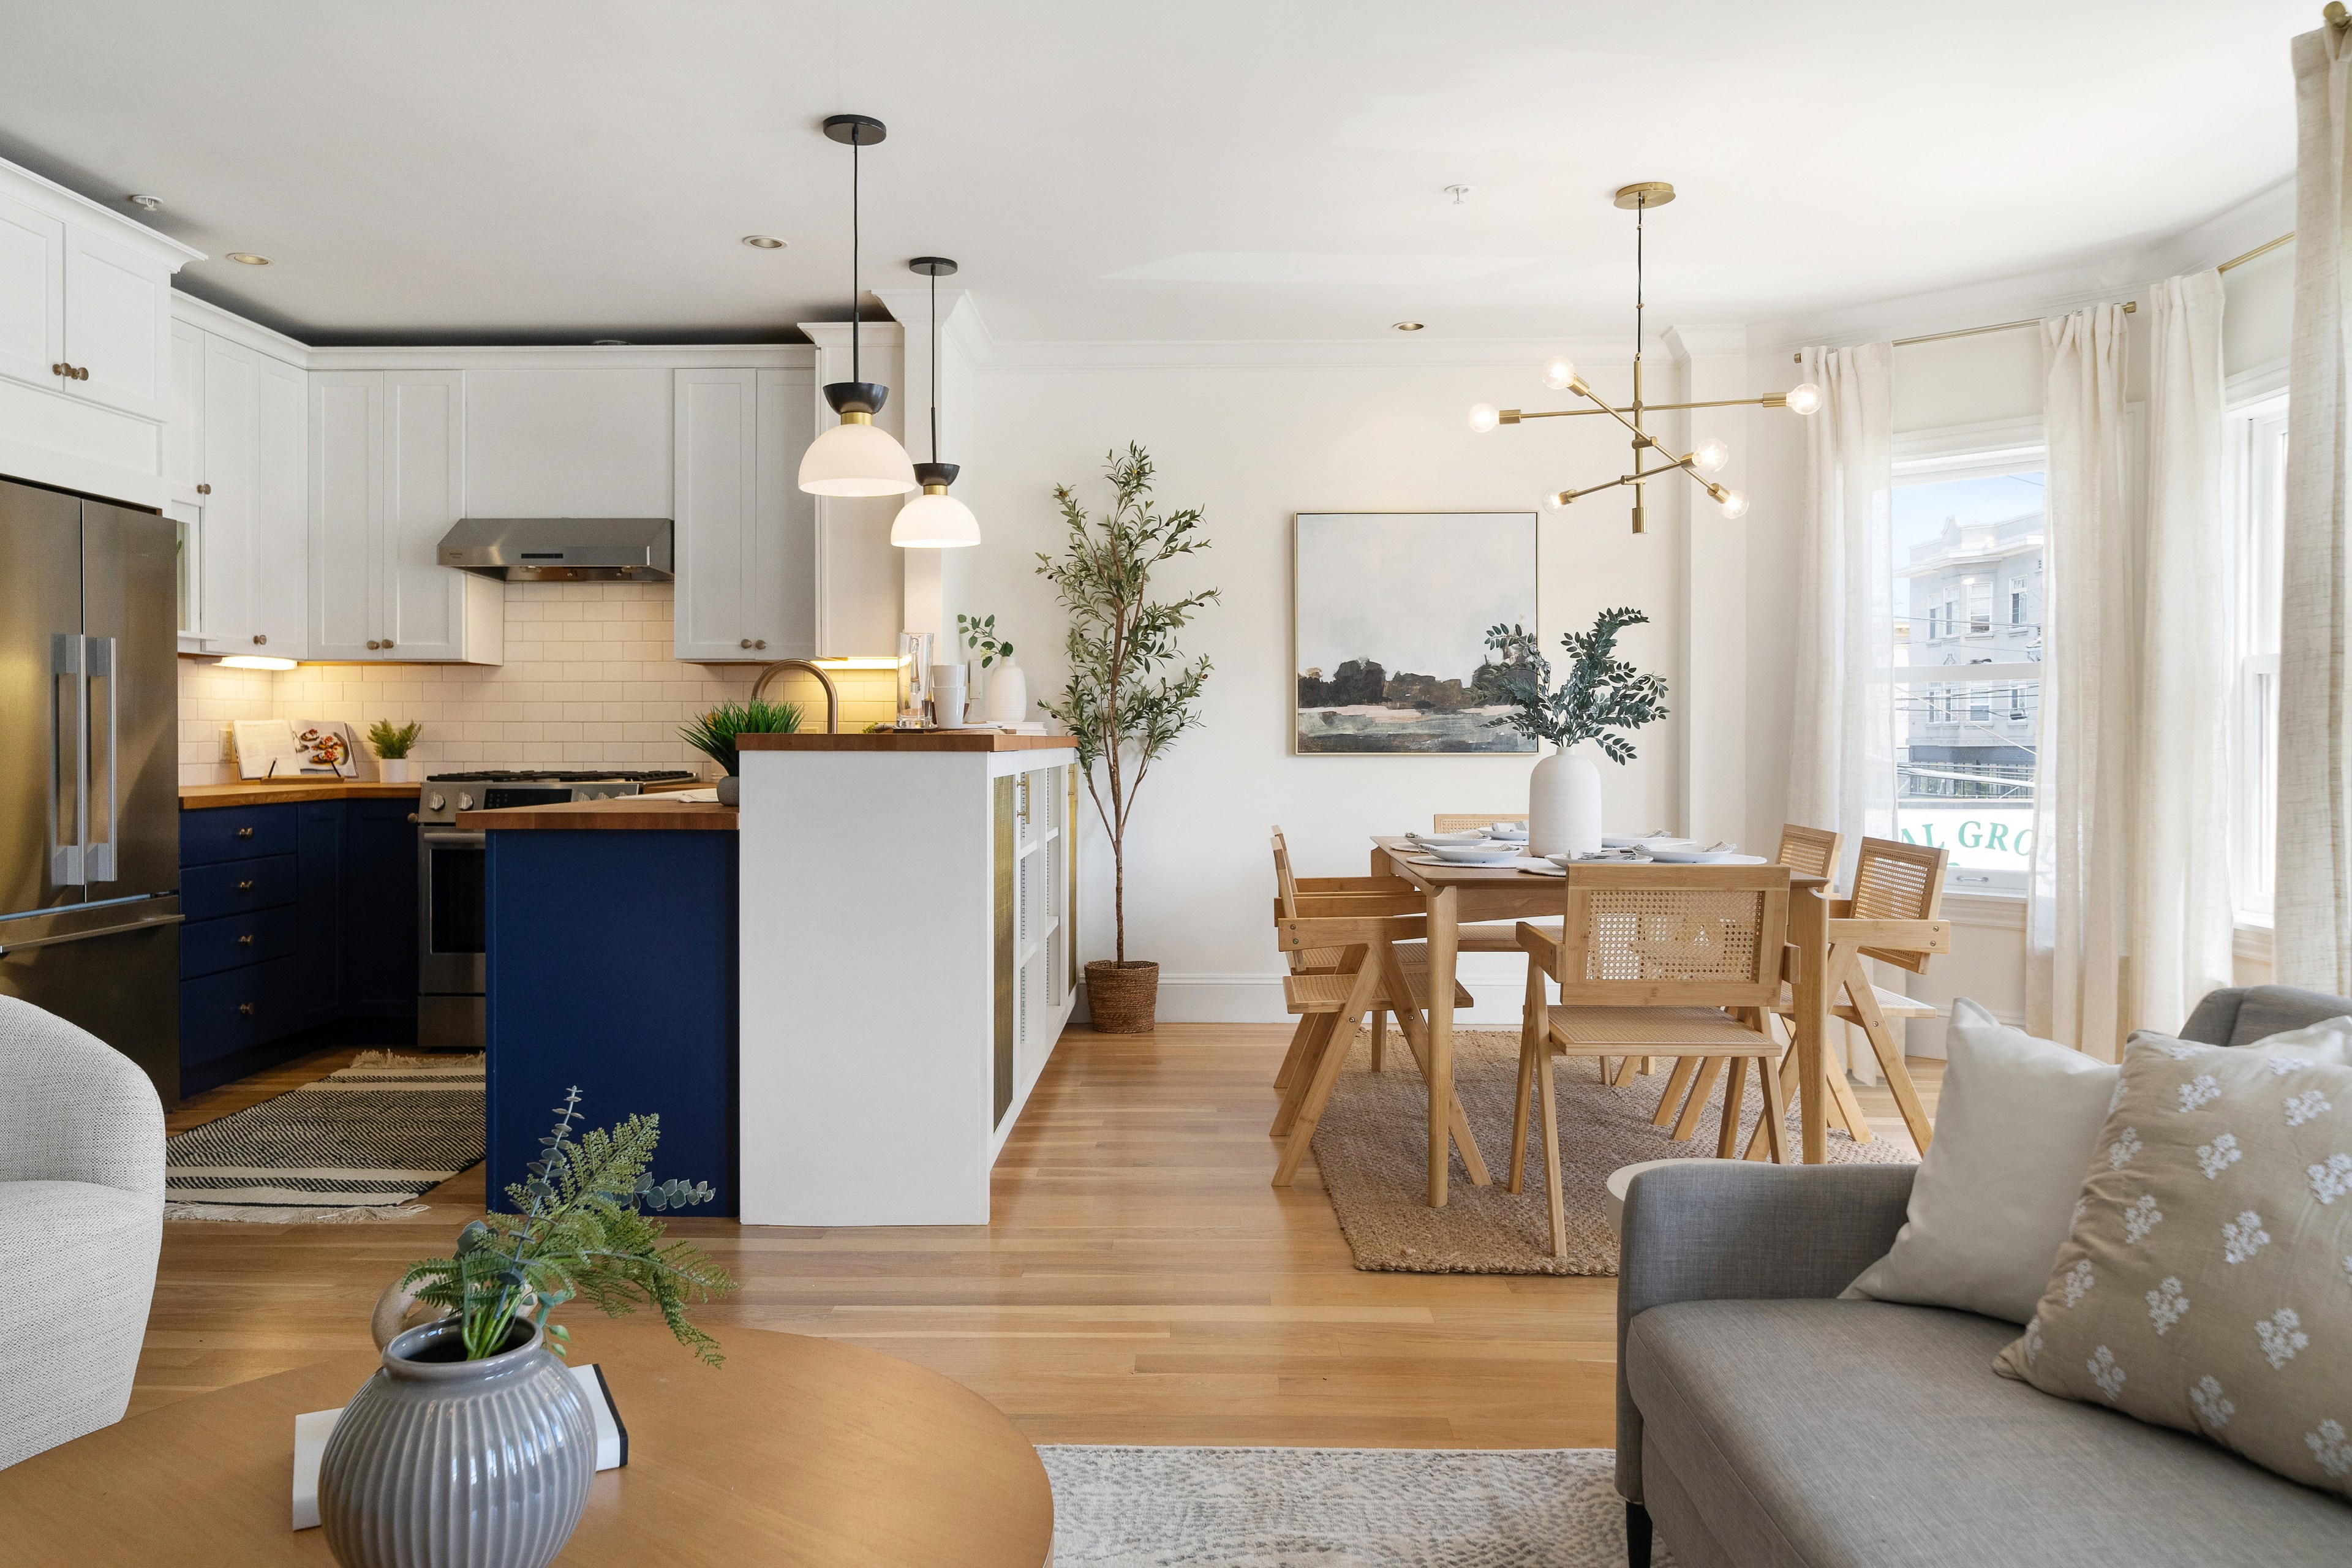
<point>1564,806</point>
<point>1008,693</point>
<point>396,769</point>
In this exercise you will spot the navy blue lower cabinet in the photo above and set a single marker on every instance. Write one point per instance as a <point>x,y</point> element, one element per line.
<point>612,965</point>
<point>318,898</point>
<point>379,952</point>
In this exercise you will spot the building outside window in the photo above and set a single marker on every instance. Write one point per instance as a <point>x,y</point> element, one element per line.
<point>1968,566</point>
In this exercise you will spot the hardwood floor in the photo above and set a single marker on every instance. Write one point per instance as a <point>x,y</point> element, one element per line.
<point>1140,1281</point>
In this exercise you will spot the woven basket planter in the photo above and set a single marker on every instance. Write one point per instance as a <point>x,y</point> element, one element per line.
<point>1121,996</point>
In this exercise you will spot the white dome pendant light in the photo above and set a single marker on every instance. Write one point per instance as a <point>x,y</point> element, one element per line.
<point>935,520</point>
<point>856,456</point>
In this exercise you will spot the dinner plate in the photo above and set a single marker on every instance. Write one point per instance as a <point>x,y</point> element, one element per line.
<point>1433,839</point>
<point>1626,841</point>
<point>1703,858</point>
<point>1474,854</point>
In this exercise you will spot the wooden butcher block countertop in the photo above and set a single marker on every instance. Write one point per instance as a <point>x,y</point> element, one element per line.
<point>619,814</point>
<point>906,741</point>
<point>269,792</point>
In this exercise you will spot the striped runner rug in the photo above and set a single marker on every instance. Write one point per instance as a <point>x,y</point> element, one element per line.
<point>364,1142</point>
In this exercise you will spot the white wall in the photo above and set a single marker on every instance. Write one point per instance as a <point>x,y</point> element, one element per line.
<point>1254,444</point>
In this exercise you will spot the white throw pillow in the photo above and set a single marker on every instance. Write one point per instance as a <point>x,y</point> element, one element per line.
<point>1994,1198</point>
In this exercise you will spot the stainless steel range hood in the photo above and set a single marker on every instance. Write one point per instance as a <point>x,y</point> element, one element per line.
<point>561,549</point>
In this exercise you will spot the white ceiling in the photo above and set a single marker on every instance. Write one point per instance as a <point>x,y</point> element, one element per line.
<point>561,170</point>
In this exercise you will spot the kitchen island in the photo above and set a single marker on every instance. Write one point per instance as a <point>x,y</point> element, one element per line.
<point>908,959</point>
<point>611,963</point>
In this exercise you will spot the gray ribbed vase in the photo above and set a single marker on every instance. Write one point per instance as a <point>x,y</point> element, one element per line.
<point>458,1464</point>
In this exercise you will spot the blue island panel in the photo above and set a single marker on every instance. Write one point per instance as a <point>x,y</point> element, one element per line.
<point>612,964</point>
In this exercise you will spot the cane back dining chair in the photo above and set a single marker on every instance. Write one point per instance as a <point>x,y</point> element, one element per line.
<point>1289,887</point>
<point>1369,933</point>
<point>1480,936</point>
<point>1678,961</point>
<point>1811,850</point>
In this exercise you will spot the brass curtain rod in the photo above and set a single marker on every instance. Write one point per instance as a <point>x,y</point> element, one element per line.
<point>2131,307</point>
<point>2286,239</point>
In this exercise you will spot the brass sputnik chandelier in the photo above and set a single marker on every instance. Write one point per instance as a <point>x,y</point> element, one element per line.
<point>1710,455</point>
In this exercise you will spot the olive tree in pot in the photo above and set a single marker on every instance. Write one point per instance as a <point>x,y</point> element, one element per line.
<point>1130,694</point>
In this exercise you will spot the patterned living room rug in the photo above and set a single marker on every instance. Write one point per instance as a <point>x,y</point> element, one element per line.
<point>1336,1507</point>
<point>1372,1149</point>
<point>364,1142</point>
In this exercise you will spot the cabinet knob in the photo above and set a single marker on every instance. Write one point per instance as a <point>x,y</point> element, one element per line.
<point>761,643</point>
<point>81,373</point>
<point>246,886</point>
<point>745,643</point>
<point>372,643</point>
<point>205,489</point>
<point>245,1008</point>
<point>245,833</point>
<point>245,941</point>
<point>61,369</point>
<point>260,638</point>
<point>387,642</point>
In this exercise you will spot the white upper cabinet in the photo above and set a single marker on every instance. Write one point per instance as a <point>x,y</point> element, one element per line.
<point>232,441</point>
<point>279,561</point>
<point>183,430</point>
<point>86,356</point>
<point>387,481</point>
<point>745,532</point>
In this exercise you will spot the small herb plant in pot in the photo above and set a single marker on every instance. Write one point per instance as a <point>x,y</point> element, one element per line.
<point>392,742</point>
<point>714,735</point>
<point>473,1431</point>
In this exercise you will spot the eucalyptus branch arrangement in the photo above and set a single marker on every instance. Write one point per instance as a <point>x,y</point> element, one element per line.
<point>1601,694</point>
<point>392,741</point>
<point>579,1232</point>
<point>1130,692</point>
<point>713,734</point>
<point>980,637</point>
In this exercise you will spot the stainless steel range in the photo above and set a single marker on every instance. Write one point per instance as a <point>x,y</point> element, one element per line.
<point>451,915</point>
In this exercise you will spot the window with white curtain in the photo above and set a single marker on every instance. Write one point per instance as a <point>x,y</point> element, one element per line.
<point>1967,559</point>
<point>2256,449</point>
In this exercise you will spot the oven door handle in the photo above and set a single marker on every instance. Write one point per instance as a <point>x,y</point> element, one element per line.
<point>454,837</point>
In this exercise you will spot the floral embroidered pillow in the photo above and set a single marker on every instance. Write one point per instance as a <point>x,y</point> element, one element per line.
<point>2208,1282</point>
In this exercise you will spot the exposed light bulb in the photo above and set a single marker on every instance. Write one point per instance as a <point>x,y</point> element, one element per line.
<point>1711,455</point>
<point>1557,502</point>
<point>1484,417</point>
<point>1805,398</point>
<point>1560,373</point>
<point>1735,503</point>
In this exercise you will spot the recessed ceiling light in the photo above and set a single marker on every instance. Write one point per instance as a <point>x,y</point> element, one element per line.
<point>763,242</point>
<point>1408,326</point>
<point>248,259</point>
<point>144,204</point>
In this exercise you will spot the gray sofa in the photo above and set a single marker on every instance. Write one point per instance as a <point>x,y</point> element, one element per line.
<point>1762,1422</point>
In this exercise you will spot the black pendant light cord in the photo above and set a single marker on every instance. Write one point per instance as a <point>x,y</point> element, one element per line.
<point>935,367</point>
<point>857,367</point>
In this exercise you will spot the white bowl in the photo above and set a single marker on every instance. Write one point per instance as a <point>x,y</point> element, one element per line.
<point>1473,837</point>
<point>1475,854</point>
<point>1516,831</point>
<point>1627,841</point>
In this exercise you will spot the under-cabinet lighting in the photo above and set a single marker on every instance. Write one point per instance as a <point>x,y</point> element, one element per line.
<point>859,661</point>
<point>255,661</point>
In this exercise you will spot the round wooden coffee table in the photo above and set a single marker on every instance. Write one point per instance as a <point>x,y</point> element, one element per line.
<point>798,1452</point>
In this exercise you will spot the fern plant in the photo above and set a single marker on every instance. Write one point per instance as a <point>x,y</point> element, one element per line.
<point>392,741</point>
<point>713,734</point>
<point>579,1232</point>
<point>1601,694</point>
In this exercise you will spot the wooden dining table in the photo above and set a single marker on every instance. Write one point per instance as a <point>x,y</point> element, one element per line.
<point>1458,894</point>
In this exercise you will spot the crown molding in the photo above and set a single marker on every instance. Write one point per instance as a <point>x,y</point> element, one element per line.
<point>58,201</point>
<point>208,316</point>
<point>571,356</point>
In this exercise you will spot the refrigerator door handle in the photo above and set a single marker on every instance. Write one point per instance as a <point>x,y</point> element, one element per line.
<point>68,741</point>
<point>103,658</point>
<point>8,948</point>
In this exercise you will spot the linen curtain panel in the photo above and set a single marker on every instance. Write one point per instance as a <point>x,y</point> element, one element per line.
<point>2075,909</point>
<point>2312,911</point>
<point>1842,753</point>
<point>2182,913</point>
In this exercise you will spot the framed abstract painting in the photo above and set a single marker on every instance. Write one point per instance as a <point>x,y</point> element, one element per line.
<point>1389,618</point>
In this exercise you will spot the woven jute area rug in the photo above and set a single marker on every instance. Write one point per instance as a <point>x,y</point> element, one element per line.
<point>362,1143</point>
<point>1336,1507</point>
<point>1372,1148</point>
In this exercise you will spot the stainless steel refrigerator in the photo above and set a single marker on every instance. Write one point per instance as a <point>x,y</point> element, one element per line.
<point>90,861</point>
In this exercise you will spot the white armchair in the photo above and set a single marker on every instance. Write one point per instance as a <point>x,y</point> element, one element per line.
<point>81,1222</point>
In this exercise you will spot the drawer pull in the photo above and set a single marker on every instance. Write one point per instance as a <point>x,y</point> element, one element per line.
<point>203,489</point>
<point>245,1008</point>
<point>245,833</point>
<point>246,886</point>
<point>245,941</point>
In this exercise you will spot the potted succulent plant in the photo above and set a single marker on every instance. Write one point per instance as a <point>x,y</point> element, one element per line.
<point>1007,701</point>
<point>473,1431</point>
<point>1601,693</point>
<point>713,735</point>
<point>1131,693</point>
<point>392,742</point>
